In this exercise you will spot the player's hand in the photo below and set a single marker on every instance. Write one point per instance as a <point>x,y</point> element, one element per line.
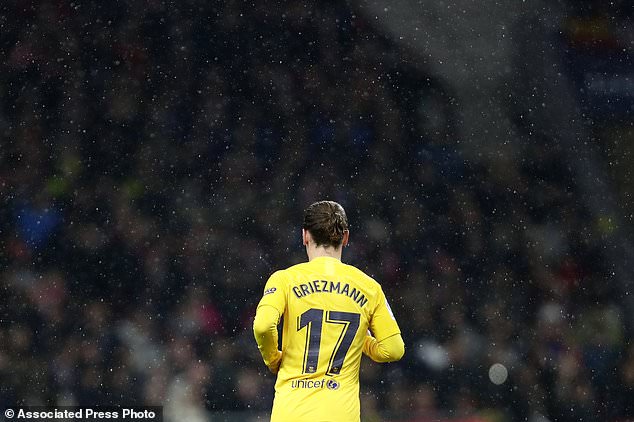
<point>274,365</point>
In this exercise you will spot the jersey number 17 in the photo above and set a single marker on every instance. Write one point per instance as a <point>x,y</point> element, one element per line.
<point>313,319</point>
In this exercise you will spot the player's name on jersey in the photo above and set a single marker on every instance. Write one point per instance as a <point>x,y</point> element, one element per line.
<point>323,286</point>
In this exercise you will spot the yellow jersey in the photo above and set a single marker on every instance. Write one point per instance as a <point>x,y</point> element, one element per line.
<point>327,308</point>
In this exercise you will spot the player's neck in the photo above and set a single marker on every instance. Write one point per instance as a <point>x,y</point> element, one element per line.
<point>321,251</point>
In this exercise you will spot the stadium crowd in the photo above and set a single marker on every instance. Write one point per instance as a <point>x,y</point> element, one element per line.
<point>154,164</point>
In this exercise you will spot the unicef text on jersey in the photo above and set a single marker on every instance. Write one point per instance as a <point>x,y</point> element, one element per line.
<point>330,384</point>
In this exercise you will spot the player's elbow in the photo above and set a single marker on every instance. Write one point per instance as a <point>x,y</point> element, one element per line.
<point>263,324</point>
<point>260,327</point>
<point>400,351</point>
<point>395,350</point>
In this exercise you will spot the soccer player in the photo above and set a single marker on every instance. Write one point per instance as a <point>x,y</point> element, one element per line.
<point>331,313</point>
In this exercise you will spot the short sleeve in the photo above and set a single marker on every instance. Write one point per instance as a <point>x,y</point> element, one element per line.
<point>275,293</point>
<point>382,321</point>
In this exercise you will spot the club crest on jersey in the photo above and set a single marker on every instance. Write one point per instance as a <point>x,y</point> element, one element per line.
<point>269,291</point>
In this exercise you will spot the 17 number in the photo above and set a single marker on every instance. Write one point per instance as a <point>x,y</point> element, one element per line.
<point>313,319</point>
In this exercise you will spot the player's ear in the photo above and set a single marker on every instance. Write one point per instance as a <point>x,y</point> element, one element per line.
<point>346,238</point>
<point>305,237</point>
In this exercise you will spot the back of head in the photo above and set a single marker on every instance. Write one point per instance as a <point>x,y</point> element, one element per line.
<point>326,221</point>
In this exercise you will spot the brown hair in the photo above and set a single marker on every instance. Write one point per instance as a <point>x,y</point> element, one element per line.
<point>326,221</point>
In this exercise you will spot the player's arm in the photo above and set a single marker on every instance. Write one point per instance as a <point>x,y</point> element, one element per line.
<point>265,332</point>
<point>384,342</point>
<point>387,350</point>
<point>267,317</point>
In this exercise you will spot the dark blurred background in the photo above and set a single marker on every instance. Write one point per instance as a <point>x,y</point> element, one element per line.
<point>156,158</point>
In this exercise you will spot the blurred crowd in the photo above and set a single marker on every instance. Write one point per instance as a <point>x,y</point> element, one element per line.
<point>154,164</point>
<point>599,48</point>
